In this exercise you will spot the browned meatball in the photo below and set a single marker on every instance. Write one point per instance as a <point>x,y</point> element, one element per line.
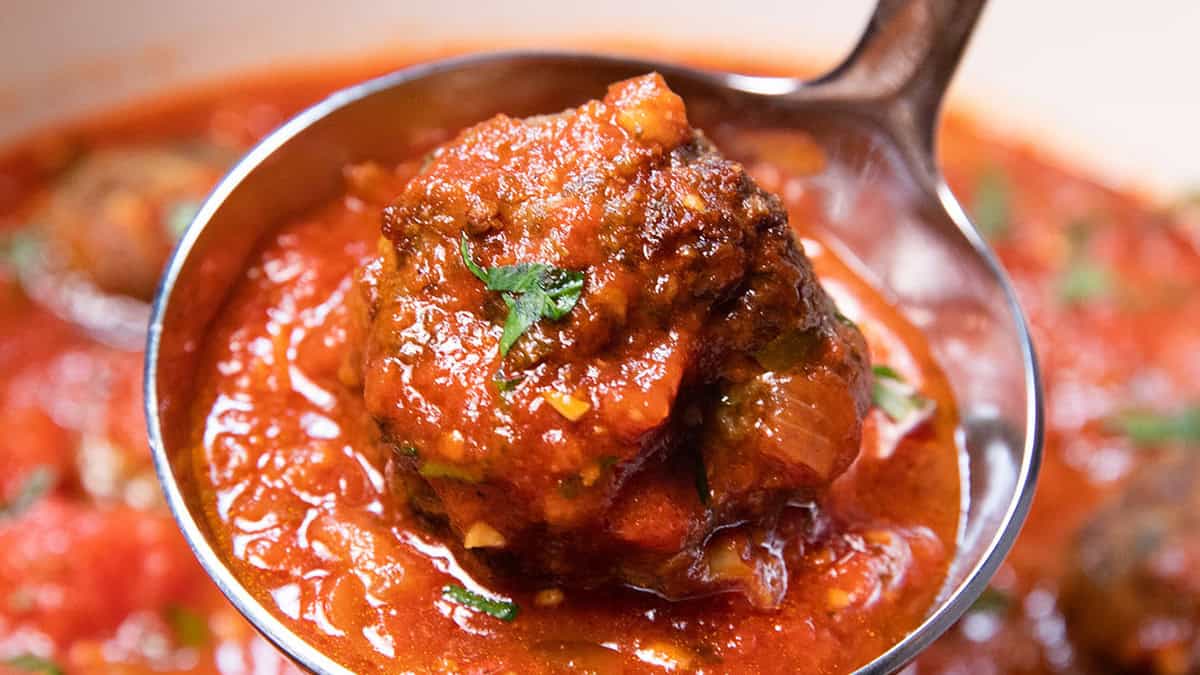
<point>114,216</point>
<point>1132,602</point>
<point>594,341</point>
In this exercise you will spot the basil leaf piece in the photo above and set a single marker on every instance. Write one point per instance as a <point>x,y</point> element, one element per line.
<point>562,288</point>
<point>898,399</point>
<point>532,291</point>
<point>34,664</point>
<point>523,311</point>
<point>505,610</point>
<point>1151,428</point>
<point>36,485</point>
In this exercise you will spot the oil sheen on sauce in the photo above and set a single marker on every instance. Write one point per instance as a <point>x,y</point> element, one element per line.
<point>292,479</point>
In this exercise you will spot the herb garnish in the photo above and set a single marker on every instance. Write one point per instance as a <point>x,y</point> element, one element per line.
<point>1083,278</point>
<point>190,627</point>
<point>36,485</point>
<point>992,600</point>
<point>20,249</point>
<point>532,291</point>
<point>505,610</point>
<point>898,399</point>
<point>506,384</point>
<point>1150,428</point>
<point>992,206</point>
<point>34,664</point>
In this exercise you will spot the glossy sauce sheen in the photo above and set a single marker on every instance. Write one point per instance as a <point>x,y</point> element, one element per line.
<point>90,582</point>
<point>293,479</point>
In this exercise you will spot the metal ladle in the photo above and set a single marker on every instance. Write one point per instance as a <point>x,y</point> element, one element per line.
<point>875,116</point>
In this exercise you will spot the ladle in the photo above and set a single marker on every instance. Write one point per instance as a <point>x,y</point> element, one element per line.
<point>875,116</point>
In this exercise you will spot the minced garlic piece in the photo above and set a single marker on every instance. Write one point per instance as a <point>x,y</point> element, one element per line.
<point>550,597</point>
<point>482,535</point>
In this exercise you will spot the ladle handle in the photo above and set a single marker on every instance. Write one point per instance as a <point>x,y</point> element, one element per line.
<point>906,58</point>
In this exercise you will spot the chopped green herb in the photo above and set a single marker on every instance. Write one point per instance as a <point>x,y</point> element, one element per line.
<point>443,470</point>
<point>1150,428</point>
<point>845,320</point>
<point>36,485</point>
<point>992,600</point>
<point>1083,278</point>
<point>34,664</point>
<point>20,249</point>
<point>190,627</point>
<point>532,291</point>
<point>506,384</point>
<point>505,610</point>
<point>898,399</point>
<point>180,215</point>
<point>408,450</point>
<point>992,207</point>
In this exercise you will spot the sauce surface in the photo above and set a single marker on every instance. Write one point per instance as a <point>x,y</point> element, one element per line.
<point>293,475</point>
<point>76,526</point>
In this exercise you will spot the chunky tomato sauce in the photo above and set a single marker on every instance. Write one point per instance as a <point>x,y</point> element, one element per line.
<point>293,474</point>
<point>96,579</point>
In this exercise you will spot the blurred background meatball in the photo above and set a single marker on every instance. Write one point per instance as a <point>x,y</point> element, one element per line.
<point>114,216</point>
<point>1132,601</point>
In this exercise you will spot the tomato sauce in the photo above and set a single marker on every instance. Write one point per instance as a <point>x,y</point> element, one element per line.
<point>292,475</point>
<point>96,579</point>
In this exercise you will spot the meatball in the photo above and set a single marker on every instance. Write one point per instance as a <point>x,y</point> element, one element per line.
<point>114,216</point>
<point>1132,599</point>
<point>594,342</point>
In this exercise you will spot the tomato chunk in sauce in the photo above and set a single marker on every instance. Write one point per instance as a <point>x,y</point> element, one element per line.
<point>388,469</point>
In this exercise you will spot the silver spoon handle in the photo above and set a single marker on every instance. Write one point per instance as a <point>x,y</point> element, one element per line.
<point>906,58</point>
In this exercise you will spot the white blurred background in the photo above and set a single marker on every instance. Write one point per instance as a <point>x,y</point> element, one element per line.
<point>1107,83</point>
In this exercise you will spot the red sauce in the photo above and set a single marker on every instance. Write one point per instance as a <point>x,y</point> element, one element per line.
<point>292,475</point>
<point>97,579</point>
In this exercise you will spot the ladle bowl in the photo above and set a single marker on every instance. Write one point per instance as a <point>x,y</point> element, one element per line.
<point>874,116</point>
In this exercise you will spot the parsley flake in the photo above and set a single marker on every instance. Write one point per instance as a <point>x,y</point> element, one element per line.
<point>505,610</point>
<point>992,206</point>
<point>898,399</point>
<point>189,626</point>
<point>1151,428</point>
<point>35,486</point>
<point>34,664</point>
<point>532,291</point>
<point>1083,278</point>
